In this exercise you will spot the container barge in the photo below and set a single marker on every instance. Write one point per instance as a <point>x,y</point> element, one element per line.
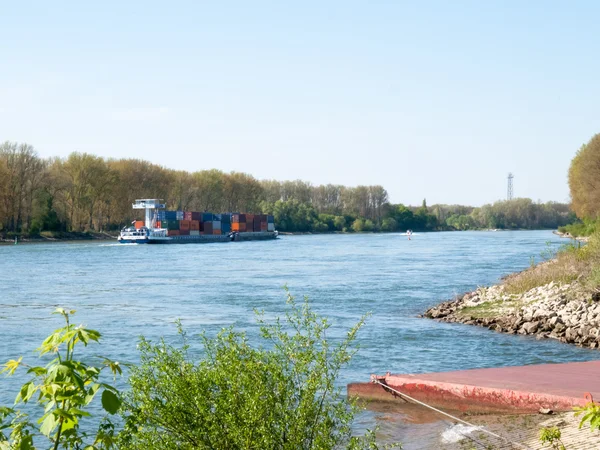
<point>186,227</point>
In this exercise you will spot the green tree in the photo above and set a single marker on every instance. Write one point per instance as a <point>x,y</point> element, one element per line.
<point>389,224</point>
<point>358,225</point>
<point>280,395</point>
<point>584,180</point>
<point>339,223</point>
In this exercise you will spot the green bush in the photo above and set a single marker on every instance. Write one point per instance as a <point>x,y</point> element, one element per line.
<point>280,395</point>
<point>389,224</point>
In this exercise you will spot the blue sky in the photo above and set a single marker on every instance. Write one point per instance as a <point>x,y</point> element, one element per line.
<point>436,100</point>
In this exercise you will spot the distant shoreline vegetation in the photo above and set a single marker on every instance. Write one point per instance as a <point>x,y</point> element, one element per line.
<point>87,193</point>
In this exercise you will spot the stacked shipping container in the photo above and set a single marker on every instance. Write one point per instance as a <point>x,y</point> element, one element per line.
<point>252,222</point>
<point>184,223</point>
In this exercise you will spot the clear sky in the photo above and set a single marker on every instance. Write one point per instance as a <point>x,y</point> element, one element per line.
<point>429,99</point>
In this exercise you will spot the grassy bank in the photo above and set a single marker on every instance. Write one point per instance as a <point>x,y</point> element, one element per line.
<point>573,262</point>
<point>581,228</point>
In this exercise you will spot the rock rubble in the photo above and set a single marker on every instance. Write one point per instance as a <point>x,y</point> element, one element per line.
<point>565,312</point>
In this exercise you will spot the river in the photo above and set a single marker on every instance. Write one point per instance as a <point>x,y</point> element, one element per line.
<point>126,291</point>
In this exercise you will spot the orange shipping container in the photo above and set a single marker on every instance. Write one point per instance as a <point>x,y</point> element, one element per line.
<point>263,226</point>
<point>195,225</point>
<point>239,227</point>
<point>139,224</point>
<point>216,231</point>
<point>184,225</point>
<point>158,224</point>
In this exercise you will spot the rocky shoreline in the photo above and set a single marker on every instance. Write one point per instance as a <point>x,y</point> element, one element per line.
<point>565,312</point>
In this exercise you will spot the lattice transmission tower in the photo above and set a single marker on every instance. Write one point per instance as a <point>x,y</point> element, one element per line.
<point>509,191</point>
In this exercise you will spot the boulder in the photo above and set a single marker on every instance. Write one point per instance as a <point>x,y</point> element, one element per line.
<point>555,321</point>
<point>571,334</point>
<point>530,327</point>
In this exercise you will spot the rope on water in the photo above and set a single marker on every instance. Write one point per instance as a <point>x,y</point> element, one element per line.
<point>374,379</point>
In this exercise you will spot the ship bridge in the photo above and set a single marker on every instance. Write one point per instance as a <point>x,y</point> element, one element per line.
<point>148,204</point>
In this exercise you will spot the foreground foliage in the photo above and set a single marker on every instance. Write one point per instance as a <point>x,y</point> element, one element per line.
<point>61,393</point>
<point>552,436</point>
<point>280,395</point>
<point>590,414</point>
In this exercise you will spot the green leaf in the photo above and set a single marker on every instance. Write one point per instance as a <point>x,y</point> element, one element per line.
<point>49,424</point>
<point>38,371</point>
<point>110,402</point>
<point>27,391</point>
<point>11,366</point>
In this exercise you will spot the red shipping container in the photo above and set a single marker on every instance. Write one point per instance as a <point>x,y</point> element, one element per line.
<point>216,231</point>
<point>194,225</point>
<point>249,218</point>
<point>263,226</point>
<point>158,224</point>
<point>208,227</point>
<point>184,224</point>
<point>187,215</point>
<point>173,233</point>
<point>184,232</point>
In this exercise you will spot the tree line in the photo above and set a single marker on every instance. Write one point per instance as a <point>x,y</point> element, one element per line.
<point>84,192</point>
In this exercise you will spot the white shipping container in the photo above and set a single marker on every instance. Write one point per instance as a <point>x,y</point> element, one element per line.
<point>194,233</point>
<point>270,227</point>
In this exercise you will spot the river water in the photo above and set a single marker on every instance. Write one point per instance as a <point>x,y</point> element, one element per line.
<point>126,291</point>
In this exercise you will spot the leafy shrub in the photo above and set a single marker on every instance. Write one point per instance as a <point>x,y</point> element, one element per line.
<point>280,395</point>
<point>591,414</point>
<point>61,391</point>
<point>552,437</point>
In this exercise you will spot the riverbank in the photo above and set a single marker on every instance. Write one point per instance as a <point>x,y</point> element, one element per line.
<point>58,236</point>
<point>558,299</point>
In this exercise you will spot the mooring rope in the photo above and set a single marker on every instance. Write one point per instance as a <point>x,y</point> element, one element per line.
<point>406,396</point>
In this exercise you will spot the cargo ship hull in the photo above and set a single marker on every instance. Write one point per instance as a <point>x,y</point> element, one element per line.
<point>201,239</point>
